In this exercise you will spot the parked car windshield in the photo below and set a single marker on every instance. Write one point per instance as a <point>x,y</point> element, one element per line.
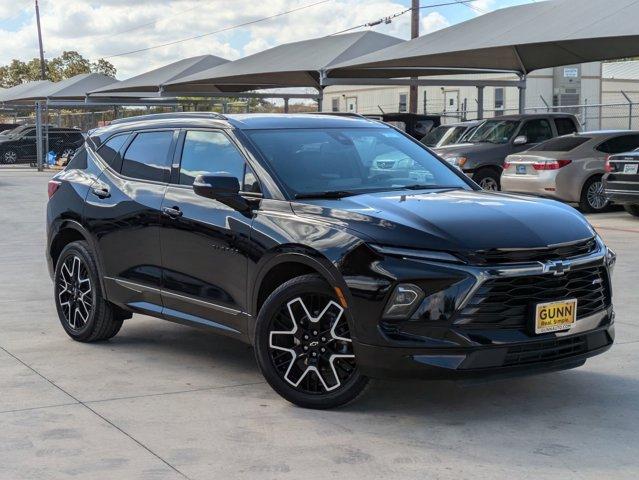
<point>494,131</point>
<point>350,161</point>
<point>16,131</point>
<point>435,135</point>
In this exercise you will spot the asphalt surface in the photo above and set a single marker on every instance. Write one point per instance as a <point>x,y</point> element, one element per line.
<point>162,401</point>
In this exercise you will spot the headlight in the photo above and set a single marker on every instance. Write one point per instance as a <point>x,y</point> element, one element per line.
<point>457,161</point>
<point>404,300</point>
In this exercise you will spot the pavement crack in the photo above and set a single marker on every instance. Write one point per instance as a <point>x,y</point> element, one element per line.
<point>104,419</point>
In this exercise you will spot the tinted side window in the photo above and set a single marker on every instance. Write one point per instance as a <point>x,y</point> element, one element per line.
<point>624,143</point>
<point>212,153</point>
<point>109,151</point>
<point>147,158</point>
<point>565,126</point>
<point>536,130</point>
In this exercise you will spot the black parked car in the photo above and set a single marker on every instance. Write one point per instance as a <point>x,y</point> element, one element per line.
<point>274,230</point>
<point>19,145</point>
<point>482,155</point>
<point>621,182</point>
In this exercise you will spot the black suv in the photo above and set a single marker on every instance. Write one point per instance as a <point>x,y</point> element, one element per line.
<point>482,154</point>
<point>276,230</point>
<point>20,145</point>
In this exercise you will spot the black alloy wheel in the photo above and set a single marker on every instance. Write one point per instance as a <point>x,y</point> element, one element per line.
<point>304,347</point>
<point>84,313</point>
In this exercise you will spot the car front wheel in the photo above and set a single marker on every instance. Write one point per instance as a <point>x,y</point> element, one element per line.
<point>303,345</point>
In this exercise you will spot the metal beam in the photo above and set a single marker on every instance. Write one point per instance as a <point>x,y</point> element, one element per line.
<point>424,82</point>
<point>480,103</point>
<point>239,95</point>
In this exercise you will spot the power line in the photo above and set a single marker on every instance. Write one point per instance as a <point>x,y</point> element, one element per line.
<point>390,18</point>
<point>270,17</point>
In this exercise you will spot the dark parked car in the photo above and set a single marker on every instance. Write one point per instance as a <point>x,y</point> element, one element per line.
<point>482,156</point>
<point>19,145</point>
<point>415,124</point>
<point>621,183</point>
<point>450,134</point>
<point>274,230</point>
<point>7,126</point>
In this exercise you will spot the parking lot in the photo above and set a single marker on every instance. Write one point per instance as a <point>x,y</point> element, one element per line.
<point>162,401</point>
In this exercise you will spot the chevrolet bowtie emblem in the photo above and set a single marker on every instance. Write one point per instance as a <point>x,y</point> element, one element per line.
<point>556,267</point>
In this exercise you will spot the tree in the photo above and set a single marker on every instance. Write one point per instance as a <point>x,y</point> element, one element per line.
<point>68,64</point>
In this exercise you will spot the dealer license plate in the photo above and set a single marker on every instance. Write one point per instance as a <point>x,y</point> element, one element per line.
<point>521,169</point>
<point>631,168</point>
<point>555,316</point>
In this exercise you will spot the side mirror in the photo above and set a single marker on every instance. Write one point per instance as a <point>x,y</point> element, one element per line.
<point>223,188</point>
<point>520,140</point>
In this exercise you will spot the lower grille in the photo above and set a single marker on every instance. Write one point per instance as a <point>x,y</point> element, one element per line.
<point>546,351</point>
<point>509,302</point>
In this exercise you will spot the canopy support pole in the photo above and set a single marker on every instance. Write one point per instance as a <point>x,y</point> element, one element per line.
<point>38,120</point>
<point>286,105</point>
<point>480,103</point>
<point>522,94</point>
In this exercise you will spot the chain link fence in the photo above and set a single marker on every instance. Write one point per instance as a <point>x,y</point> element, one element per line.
<point>611,116</point>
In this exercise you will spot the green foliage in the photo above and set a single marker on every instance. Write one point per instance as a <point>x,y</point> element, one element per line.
<point>67,65</point>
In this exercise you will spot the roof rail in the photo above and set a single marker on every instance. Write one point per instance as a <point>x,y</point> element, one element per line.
<point>170,115</point>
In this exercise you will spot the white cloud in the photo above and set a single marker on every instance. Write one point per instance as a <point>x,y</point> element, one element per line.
<point>433,21</point>
<point>483,6</point>
<point>105,27</point>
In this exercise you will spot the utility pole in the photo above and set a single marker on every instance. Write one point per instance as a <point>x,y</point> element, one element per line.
<point>43,73</point>
<point>414,33</point>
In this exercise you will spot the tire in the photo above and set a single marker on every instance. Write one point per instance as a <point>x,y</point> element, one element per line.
<point>592,198</point>
<point>9,157</point>
<point>83,311</point>
<point>310,366</point>
<point>488,179</point>
<point>632,209</point>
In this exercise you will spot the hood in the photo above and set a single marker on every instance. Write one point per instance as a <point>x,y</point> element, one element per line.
<point>452,220</point>
<point>471,149</point>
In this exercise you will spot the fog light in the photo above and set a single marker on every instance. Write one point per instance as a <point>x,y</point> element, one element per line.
<point>405,298</point>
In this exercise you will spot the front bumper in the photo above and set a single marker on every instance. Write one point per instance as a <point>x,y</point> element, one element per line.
<point>427,345</point>
<point>508,359</point>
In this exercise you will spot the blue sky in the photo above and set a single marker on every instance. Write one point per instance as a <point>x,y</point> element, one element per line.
<point>94,28</point>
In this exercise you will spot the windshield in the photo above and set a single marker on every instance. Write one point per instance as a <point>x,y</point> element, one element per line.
<point>350,161</point>
<point>435,135</point>
<point>494,131</point>
<point>15,131</point>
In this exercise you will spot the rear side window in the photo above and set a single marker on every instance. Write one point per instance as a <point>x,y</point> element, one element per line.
<point>109,151</point>
<point>621,144</point>
<point>565,126</point>
<point>212,153</point>
<point>147,157</point>
<point>536,130</point>
<point>78,161</point>
<point>561,144</point>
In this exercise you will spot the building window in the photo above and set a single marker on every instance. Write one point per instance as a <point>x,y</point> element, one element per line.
<point>403,100</point>
<point>335,104</point>
<point>499,101</point>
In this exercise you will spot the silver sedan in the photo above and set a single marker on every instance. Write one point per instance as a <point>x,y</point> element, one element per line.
<point>568,168</point>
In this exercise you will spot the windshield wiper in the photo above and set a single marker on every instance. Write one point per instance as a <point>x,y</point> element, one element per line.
<point>327,194</point>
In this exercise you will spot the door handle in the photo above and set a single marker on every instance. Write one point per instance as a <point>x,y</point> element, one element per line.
<point>100,192</point>
<point>172,212</point>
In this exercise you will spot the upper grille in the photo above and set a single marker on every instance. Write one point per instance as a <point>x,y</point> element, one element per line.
<point>501,256</point>
<point>509,302</point>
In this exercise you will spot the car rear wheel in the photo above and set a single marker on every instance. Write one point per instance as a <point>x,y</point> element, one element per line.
<point>84,313</point>
<point>10,157</point>
<point>632,209</point>
<point>593,198</point>
<point>303,345</point>
<point>488,179</point>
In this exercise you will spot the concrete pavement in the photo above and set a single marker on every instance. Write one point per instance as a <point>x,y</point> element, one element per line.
<point>162,401</point>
